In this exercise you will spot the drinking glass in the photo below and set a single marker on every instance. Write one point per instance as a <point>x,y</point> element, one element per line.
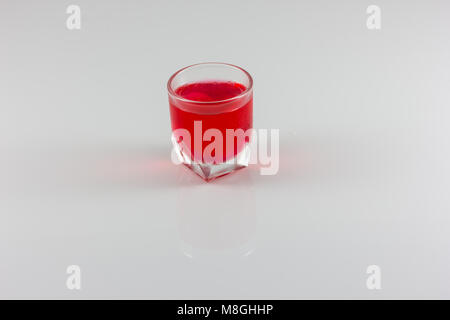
<point>211,111</point>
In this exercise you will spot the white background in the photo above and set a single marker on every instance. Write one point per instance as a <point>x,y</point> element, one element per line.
<point>86,177</point>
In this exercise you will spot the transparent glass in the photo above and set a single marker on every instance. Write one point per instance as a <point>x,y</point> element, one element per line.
<point>211,110</point>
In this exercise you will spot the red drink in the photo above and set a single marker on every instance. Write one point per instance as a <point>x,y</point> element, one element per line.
<point>220,111</point>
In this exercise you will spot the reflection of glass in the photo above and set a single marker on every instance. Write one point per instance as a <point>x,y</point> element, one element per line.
<point>206,97</point>
<point>212,225</point>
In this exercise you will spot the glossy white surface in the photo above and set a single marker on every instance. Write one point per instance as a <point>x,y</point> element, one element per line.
<point>85,167</point>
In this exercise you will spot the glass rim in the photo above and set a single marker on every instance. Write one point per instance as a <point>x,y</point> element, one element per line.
<point>178,97</point>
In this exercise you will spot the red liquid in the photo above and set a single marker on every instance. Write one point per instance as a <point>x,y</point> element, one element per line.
<point>218,113</point>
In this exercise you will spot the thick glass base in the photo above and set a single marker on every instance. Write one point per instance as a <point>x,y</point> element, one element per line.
<point>212,171</point>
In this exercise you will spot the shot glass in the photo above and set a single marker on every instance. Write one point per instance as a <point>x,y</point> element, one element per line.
<point>211,111</point>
